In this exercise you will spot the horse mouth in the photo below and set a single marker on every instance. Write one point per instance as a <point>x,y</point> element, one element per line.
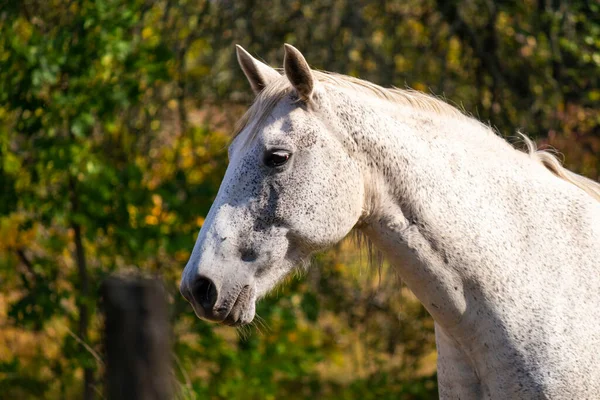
<point>242,312</point>
<point>233,307</point>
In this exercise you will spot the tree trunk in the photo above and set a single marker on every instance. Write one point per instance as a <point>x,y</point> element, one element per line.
<point>84,289</point>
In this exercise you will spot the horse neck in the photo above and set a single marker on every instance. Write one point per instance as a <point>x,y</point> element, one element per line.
<point>491,243</point>
<point>441,199</point>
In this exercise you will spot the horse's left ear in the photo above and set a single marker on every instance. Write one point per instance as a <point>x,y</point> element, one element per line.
<point>298,72</point>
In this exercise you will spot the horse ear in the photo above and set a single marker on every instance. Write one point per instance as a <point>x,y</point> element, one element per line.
<point>298,72</point>
<point>258,74</point>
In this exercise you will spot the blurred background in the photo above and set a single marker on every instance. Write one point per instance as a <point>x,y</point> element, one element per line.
<point>115,117</point>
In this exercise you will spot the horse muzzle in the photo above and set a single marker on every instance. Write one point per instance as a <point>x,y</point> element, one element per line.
<point>232,305</point>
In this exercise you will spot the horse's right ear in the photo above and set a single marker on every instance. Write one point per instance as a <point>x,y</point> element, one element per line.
<point>259,74</point>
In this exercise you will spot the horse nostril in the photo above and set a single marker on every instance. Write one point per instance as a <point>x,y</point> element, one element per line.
<point>204,292</point>
<point>249,255</point>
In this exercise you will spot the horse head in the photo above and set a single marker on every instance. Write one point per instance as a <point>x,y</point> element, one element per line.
<point>291,188</point>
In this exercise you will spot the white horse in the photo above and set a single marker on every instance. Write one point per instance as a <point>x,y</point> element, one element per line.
<point>502,247</point>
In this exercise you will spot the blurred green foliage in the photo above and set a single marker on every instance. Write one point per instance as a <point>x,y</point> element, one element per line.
<point>114,121</point>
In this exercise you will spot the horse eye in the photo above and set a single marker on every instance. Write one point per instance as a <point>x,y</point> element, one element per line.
<point>276,158</point>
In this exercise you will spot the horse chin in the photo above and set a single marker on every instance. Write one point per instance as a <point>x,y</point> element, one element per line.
<point>240,315</point>
<point>237,323</point>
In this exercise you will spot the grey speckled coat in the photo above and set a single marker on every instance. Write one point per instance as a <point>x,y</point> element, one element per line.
<point>502,247</point>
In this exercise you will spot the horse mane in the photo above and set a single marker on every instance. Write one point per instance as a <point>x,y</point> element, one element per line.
<point>268,98</point>
<point>408,97</point>
<point>553,164</point>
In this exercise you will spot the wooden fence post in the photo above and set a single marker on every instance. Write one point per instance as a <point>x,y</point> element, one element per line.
<point>136,340</point>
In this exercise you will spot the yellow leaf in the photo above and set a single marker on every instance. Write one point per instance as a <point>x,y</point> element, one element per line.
<point>147,32</point>
<point>419,86</point>
<point>151,220</point>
